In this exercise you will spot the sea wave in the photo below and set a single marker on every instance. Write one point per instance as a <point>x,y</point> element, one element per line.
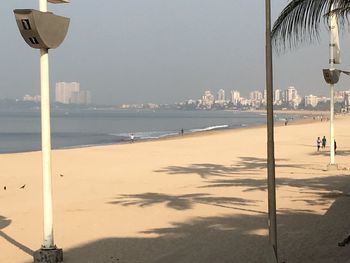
<point>210,128</point>
<point>145,135</point>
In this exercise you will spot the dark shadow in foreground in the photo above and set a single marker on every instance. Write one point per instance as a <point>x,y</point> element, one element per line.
<point>4,222</point>
<point>303,238</point>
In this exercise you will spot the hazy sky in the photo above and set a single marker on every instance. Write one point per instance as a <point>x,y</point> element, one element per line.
<point>161,51</point>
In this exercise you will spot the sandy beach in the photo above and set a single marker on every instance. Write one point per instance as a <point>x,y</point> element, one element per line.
<point>199,198</point>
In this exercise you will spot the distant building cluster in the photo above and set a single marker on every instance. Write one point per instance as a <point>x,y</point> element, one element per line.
<point>70,93</point>
<point>288,98</point>
<point>35,98</point>
<point>151,106</point>
<point>256,99</point>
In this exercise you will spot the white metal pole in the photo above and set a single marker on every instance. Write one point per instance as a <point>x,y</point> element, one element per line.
<point>46,148</point>
<point>331,67</point>
<point>332,152</point>
<point>48,242</point>
<point>43,5</point>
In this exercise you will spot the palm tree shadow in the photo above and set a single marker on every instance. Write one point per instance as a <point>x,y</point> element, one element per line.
<point>303,238</point>
<point>327,153</point>
<point>4,222</point>
<point>328,183</point>
<point>246,165</point>
<point>185,202</point>
<point>326,188</point>
<point>200,240</point>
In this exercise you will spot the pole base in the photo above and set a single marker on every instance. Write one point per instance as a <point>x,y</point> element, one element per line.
<point>332,167</point>
<point>53,255</point>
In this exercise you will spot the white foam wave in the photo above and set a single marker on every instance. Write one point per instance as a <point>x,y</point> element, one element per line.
<point>210,128</point>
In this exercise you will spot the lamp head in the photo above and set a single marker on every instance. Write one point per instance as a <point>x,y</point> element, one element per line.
<point>331,76</point>
<point>41,29</point>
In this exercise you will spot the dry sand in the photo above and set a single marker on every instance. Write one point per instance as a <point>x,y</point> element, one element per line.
<point>183,200</point>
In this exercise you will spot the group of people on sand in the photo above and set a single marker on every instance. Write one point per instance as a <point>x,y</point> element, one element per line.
<point>322,143</point>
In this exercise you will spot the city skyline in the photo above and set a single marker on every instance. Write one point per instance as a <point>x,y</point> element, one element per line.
<point>162,52</point>
<point>70,93</point>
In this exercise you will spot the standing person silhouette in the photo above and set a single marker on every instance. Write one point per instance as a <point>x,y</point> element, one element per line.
<point>318,142</point>
<point>324,141</point>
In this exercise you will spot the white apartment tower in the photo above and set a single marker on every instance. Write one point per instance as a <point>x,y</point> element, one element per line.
<point>277,97</point>
<point>65,90</point>
<point>311,100</point>
<point>292,97</point>
<point>235,97</point>
<point>256,95</point>
<point>291,94</point>
<point>221,95</point>
<point>208,99</point>
<point>70,93</point>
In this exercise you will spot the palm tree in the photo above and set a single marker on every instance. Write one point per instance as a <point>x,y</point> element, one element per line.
<point>300,21</point>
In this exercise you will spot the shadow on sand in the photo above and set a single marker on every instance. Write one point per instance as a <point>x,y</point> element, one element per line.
<point>327,153</point>
<point>185,202</point>
<point>207,170</point>
<point>303,238</point>
<point>4,222</point>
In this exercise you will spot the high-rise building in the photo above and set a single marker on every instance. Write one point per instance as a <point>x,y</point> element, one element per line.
<point>235,97</point>
<point>256,95</point>
<point>221,95</point>
<point>70,93</point>
<point>65,90</point>
<point>277,100</point>
<point>291,96</point>
<point>208,99</point>
<point>311,100</point>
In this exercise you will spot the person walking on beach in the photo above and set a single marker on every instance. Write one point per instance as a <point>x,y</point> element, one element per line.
<point>324,141</point>
<point>132,138</point>
<point>335,147</point>
<point>318,143</point>
<point>182,132</point>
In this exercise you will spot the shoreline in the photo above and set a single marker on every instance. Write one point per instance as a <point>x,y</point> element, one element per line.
<point>297,112</point>
<point>303,119</point>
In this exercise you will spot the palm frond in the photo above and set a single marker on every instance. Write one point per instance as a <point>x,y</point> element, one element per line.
<point>300,21</point>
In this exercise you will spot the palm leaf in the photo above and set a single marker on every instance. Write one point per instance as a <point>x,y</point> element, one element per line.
<point>300,21</point>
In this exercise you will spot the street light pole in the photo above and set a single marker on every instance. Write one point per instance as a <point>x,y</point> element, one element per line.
<point>48,242</point>
<point>334,58</point>
<point>270,135</point>
<point>46,148</point>
<point>44,30</point>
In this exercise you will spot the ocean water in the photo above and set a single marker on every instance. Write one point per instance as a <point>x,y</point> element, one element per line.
<point>20,130</point>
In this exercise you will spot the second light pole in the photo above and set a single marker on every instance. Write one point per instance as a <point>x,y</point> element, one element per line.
<point>334,58</point>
